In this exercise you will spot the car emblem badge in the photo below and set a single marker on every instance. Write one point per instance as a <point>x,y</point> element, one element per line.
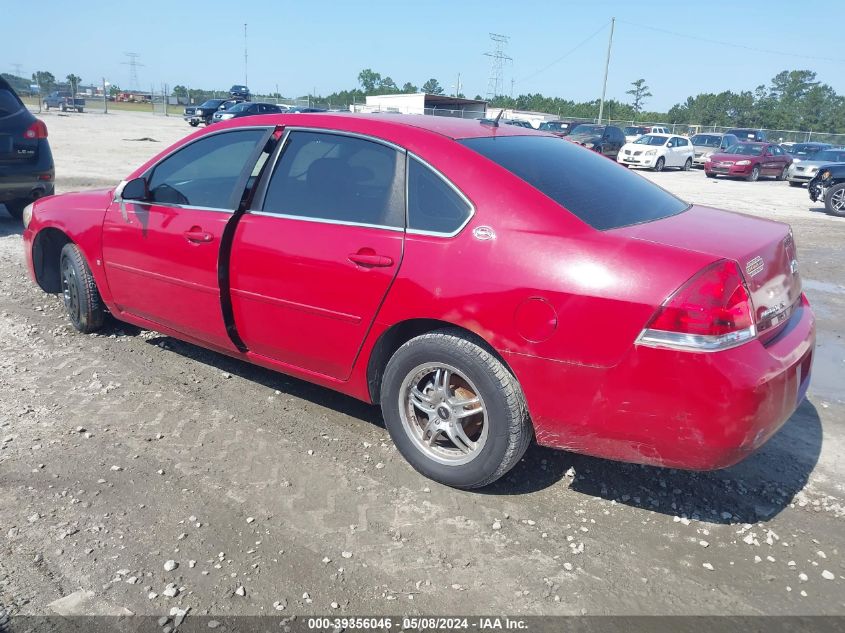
<point>754,266</point>
<point>484,233</point>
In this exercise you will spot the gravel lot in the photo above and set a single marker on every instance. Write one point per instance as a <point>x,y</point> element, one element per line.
<point>125,450</point>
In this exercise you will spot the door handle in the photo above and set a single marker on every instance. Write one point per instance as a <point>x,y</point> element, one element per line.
<point>197,235</point>
<point>371,260</point>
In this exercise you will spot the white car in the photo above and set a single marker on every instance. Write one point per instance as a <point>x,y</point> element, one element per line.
<point>658,151</point>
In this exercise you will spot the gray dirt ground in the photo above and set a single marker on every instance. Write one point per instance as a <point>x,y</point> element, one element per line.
<point>121,451</point>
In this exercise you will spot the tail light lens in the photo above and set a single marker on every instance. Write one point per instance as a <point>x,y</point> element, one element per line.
<point>36,130</point>
<point>710,312</point>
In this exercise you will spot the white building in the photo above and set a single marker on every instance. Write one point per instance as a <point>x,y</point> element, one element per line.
<point>423,103</point>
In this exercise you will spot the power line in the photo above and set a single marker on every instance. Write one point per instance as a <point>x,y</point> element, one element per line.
<point>565,55</point>
<point>734,45</point>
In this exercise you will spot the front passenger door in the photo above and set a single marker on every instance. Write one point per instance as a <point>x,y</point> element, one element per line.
<point>161,254</point>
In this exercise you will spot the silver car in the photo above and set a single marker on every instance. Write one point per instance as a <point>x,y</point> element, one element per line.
<point>707,143</point>
<point>800,173</point>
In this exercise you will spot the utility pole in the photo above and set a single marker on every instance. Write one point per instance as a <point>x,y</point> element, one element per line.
<point>606,66</point>
<point>246,82</point>
<point>105,96</point>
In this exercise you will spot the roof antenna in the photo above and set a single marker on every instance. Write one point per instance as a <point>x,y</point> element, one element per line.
<point>498,116</point>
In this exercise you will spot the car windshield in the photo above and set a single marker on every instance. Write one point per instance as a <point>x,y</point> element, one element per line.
<point>588,129</point>
<point>591,187</point>
<point>831,155</point>
<point>212,103</point>
<point>631,131</point>
<point>239,107</point>
<point>651,139</point>
<point>802,151</point>
<point>555,126</point>
<point>707,140</point>
<point>746,149</point>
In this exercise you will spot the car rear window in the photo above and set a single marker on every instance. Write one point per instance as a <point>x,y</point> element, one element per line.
<point>9,103</point>
<point>589,185</point>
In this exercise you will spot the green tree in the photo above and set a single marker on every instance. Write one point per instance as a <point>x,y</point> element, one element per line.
<point>45,80</point>
<point>74,81</point>
<point>369,79</point>
<point>640,93</point>
<point>432,87</point>
<point>409,87</point>
<point>388,86</point>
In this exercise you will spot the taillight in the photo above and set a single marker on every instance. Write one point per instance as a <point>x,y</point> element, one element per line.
<point>710,312</point>
<point>36,130</point>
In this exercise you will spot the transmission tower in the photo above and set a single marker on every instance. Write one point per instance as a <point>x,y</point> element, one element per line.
<point>497,65</point>
<point>18,70</point>
<point>133,64</point>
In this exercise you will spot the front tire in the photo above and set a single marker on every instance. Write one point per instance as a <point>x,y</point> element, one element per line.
<point>79,291</point>
<point>454,410</point>
<point>834,200</point>
<point>660,164</point>
<point>754,176</point>
<point>709,175</point>
<point>792,183</point>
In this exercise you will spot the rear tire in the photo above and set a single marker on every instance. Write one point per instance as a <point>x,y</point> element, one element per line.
<point>709,175</point>
<point>794,184</point>
<point>15,208</point>
<point>834,200</point>
<point>79,291</point>
<point>687,165</point>
<point>454,410</point>
<point>782,174</point>
<point>193,123</point>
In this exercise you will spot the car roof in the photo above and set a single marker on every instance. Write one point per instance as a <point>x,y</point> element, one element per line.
<point>387,124</point>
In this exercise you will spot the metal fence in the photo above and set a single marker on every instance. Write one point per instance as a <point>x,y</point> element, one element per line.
<point>777,136</point>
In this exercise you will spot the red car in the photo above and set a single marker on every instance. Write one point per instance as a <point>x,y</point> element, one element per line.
<point>484,284</point>
<point>749,161</point>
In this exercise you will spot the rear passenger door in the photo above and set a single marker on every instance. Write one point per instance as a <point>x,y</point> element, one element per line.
<point>314,257</point>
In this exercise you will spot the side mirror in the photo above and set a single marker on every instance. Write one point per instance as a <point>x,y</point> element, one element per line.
<point>136,189</point>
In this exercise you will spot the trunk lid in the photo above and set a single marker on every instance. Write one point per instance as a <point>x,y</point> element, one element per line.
<point>14,146</point>
<point>763,249</point>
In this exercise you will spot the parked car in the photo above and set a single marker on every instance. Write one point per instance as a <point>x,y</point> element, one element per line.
<point>749,161</point>
<point>604,139</point>
<point>633,132</point>
<point>829,185</point>
<point>802,172</point>
<point>806,151</point>
<point>246,108</point>
<point>482,283</point>
<point>26,162</point>
<point>203,112</point>
<point>707,144</point>
<point>64,101</point>
<point>559,128</point>
<point>658,151</point>
<point>222,108</point>
<point>301,109</point>
<point>240,93</point>
<point>518,122</point>
<point>659,129</point>
<point>748,134</point>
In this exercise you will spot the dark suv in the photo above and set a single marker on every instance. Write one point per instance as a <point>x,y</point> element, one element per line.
<point>604,139</point>
<point>240,92</point>
<point>26,162</point>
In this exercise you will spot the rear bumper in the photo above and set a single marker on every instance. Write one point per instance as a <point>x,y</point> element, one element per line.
<point>696,411</point>
<point>28,180</point>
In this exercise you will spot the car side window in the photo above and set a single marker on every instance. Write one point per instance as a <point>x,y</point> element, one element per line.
<point>205,172</point>
<point>338,178</point>
<point>433,204</point>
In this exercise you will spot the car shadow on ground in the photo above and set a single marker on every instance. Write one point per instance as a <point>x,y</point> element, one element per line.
<point>756,489</point>
<point>8,224</point>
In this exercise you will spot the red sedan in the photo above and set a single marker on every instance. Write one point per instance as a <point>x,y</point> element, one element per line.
<point>484,284</point>
<point>749,161</point>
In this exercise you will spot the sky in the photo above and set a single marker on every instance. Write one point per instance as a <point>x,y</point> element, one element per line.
<point>680,48</point>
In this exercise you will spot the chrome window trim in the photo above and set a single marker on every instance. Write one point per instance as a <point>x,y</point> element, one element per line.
<point>261,193</point>
<point>284,216</point>
<point>449,183</point>
<point>119,190</point>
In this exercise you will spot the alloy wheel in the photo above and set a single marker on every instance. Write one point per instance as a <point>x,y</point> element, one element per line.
<point>837,200</point>
<point>443,413</point>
